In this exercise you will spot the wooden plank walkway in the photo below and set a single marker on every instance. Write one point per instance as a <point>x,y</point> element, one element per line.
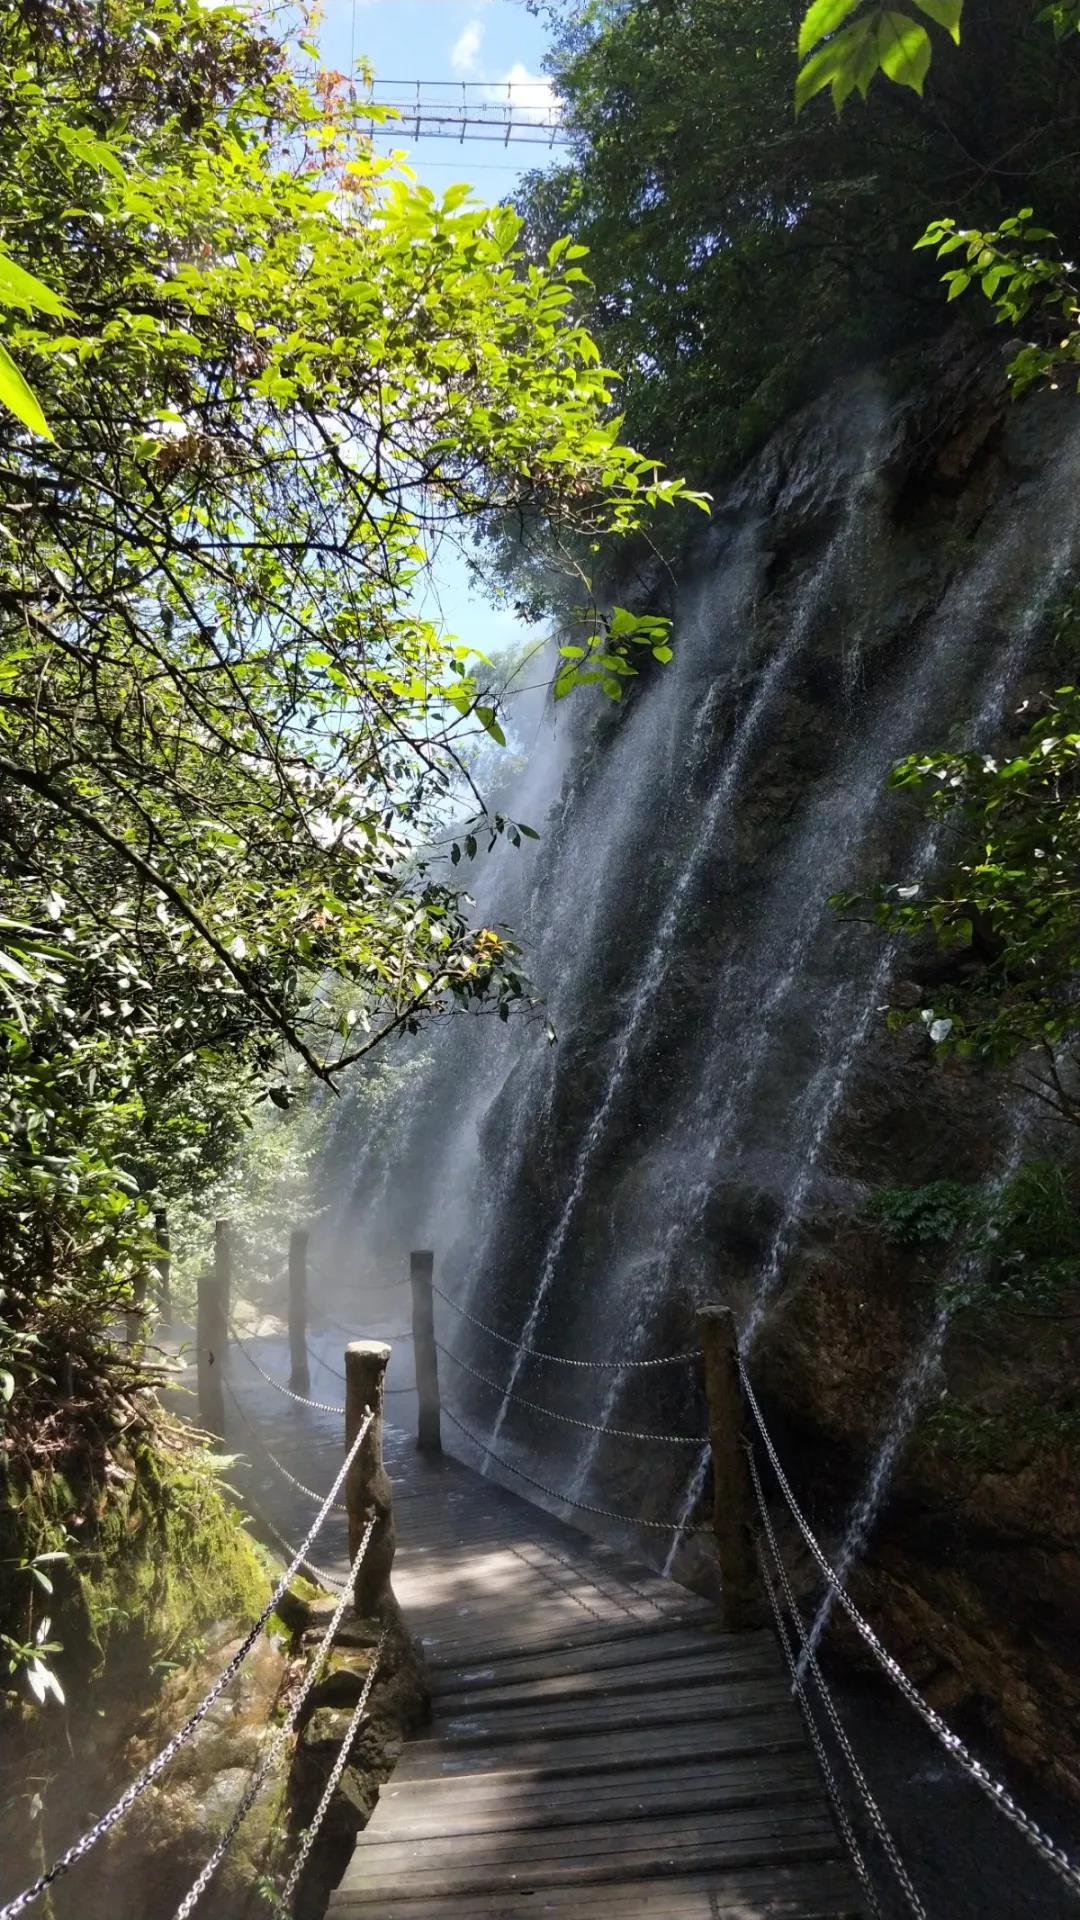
<point>597,1748</point>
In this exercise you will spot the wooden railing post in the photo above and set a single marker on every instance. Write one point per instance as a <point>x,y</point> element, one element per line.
<point>299,1378</point>
<point>425,1354</point>
<point>732,1492</point>
<point>368,1493</point>
<point>212,1331</point>
<point>163,1264</point>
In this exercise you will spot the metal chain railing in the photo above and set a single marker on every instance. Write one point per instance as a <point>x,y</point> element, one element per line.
<point>583,1506</point>
<point>319,1406</point>
<point>310,1494</point>
<point>809,1661</point>
<point>624,1365</point>
<point>157,1765</point>
<point>350,1332</point>
<point>319,1575</point>
<point>311,1832</point>
<point>832,1788</point>
<point>568,1420</point>
<point>324,1364</point>
<point>1055,1857</point>
<point>261,1773</point>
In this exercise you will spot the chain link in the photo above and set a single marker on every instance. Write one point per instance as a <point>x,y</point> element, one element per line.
<point>832,1787</point>
<point>560,1359</point>
<point>351,1333</point>
<point>809,1657</point>
<point>309,1570</point>
<point>339,1505</point>
<point>587,1426</point>
<point>1055,1857</point>
<point>311,1832</point>
<point>179,1739</point>
<point>324,1364</point>
<point>583,1506</point>
<point>261,1773</point>
<point>319,1406</point>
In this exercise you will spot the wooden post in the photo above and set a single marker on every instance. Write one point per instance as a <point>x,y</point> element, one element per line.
<point>368,1492</point>
<point>425,1354</point>
<point>164,1265</point>
<point>299,1377</point>
<point>732,1492</point>
<point>212,1332</point>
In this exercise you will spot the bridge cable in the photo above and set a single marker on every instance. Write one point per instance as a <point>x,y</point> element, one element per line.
<point>311,1832</point>
<point>583,1506</point>
<point>1055,1857</point>
<point>832,1787</point>
<point>269,1759</point>
<point>617,1433</point>
<point>180,1739</point>
<point>561,1359</point>
<point>319,1576</point>
<point>809,1659</point>
<point>308,1492</point>
<point>318,1406</point>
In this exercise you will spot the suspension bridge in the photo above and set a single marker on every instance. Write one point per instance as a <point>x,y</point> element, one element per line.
<point>513,113</point>
<point>601,1743</point>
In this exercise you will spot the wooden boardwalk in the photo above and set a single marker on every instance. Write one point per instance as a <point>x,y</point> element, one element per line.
<point>597,1747</point>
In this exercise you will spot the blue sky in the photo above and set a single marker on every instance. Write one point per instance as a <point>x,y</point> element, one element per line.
<point>476,41</point>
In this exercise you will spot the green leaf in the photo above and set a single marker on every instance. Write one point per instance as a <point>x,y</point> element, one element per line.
<point>486,717</point>
<point>841,64</point>
<point>821,19</point>
<point>903,49</point>
<point>946,12</point>
<point>20,289</point>
<point>18,398</point>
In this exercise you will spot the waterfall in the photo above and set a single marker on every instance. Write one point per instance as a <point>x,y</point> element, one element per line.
<point>674,918</point>
<point>713,811</point>
<point>695,1487</point>
<point>828,839</point>
<point>634,1340</point>
<point>826,1091</point>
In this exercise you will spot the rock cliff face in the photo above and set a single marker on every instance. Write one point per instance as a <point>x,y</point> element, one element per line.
<point>724,1098</point>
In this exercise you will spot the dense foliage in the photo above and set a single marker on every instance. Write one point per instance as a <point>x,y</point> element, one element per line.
<point>1005,910</point>
<point>741,255</point>
<point>271,378</point>
<point>1016,1246</point>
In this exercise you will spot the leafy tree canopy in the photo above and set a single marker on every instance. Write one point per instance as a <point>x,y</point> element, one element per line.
<point>272,376</point>
<point>741,254</point>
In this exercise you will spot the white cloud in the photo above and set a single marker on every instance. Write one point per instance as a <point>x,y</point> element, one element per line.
<point>466,47</point>
<point>533,95</point>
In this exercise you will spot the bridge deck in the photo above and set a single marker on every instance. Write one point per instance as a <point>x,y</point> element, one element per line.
<point>597,1747</point>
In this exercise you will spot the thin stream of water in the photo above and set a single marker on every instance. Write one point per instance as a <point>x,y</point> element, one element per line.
<point>658,957</point>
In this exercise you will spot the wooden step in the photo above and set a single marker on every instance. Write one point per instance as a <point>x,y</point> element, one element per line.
<point>592,1854</point>
<point>496,1804</point>
<point>776,1732</point>
<point>803,1892</point>
<point>598,1679</point>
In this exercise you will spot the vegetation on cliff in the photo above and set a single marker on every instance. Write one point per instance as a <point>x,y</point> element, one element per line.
<point>740,255</point>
